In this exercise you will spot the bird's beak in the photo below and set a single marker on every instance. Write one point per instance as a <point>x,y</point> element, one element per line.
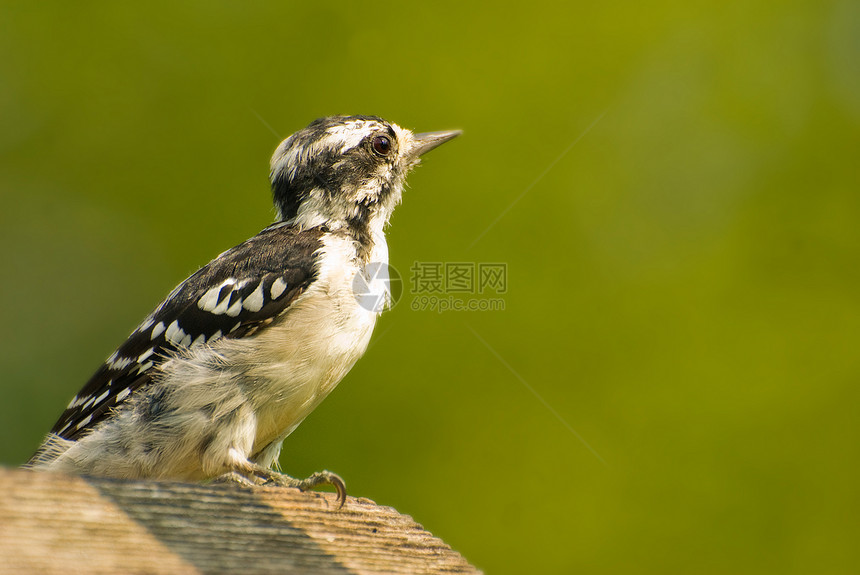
<point>426,141</point>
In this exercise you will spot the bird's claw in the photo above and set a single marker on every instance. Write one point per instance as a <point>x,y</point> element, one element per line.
<point>318,478</point>
<point>256,474</point>
<point>326,478</point>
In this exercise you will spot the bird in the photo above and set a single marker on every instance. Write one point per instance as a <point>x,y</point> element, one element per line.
<point>212,382</point>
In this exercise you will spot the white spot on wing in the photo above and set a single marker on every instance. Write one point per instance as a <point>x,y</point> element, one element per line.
<point>200,340</point>
<point>119,363</point>
<point>157,330</point>
<point>234,309</point>
<point>209,300</point>
<point>123,394</point>
<point>142,357</point>
<point>174,333</point>
<point>278,287</point>
<point>254,302</point>
<point>84,421</point>
<point>222,307</point>
<point>101,398</point>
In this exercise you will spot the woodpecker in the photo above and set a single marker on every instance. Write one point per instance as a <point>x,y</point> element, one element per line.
<point>211,383</point>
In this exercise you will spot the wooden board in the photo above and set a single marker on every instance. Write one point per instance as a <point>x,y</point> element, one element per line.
<point>51,523</point>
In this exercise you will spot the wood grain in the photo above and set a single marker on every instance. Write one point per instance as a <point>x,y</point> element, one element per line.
<point>51,523</point>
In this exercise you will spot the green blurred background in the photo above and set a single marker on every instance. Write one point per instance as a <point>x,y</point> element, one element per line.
<point>683,283</point>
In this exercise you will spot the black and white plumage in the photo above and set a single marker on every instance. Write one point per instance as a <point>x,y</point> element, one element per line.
<point>243,350</point>
<point>244,289</point>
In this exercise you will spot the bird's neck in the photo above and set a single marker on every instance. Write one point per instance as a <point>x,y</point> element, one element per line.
<point>368,236</point>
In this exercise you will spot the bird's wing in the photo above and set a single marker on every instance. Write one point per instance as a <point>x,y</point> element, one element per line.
<point>234,295</point>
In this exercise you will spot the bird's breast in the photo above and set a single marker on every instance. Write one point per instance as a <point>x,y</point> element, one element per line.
<point>326,330</point>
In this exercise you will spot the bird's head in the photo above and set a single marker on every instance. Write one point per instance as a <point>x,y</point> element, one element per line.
<point>346,171</point>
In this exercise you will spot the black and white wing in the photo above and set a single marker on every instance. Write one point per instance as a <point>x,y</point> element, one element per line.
<point>235,295</point>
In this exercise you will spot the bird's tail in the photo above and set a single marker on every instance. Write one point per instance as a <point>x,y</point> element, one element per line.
<point>51,449</point>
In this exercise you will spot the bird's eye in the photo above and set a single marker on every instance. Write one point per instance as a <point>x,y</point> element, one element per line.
<point>381,145</point>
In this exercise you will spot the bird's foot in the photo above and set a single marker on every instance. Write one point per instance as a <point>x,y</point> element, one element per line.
<point>260,475</point>
<point>246,480</point>
<point>318,478</point>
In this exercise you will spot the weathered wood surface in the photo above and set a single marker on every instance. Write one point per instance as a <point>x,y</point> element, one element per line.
<point>53,523</point>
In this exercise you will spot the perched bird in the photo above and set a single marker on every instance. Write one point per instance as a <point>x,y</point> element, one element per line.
<point>232,361</point>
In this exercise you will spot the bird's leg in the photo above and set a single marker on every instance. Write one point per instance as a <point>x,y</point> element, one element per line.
<point>251,474</point>
<point>240,478</point>
<point>319,478</point>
